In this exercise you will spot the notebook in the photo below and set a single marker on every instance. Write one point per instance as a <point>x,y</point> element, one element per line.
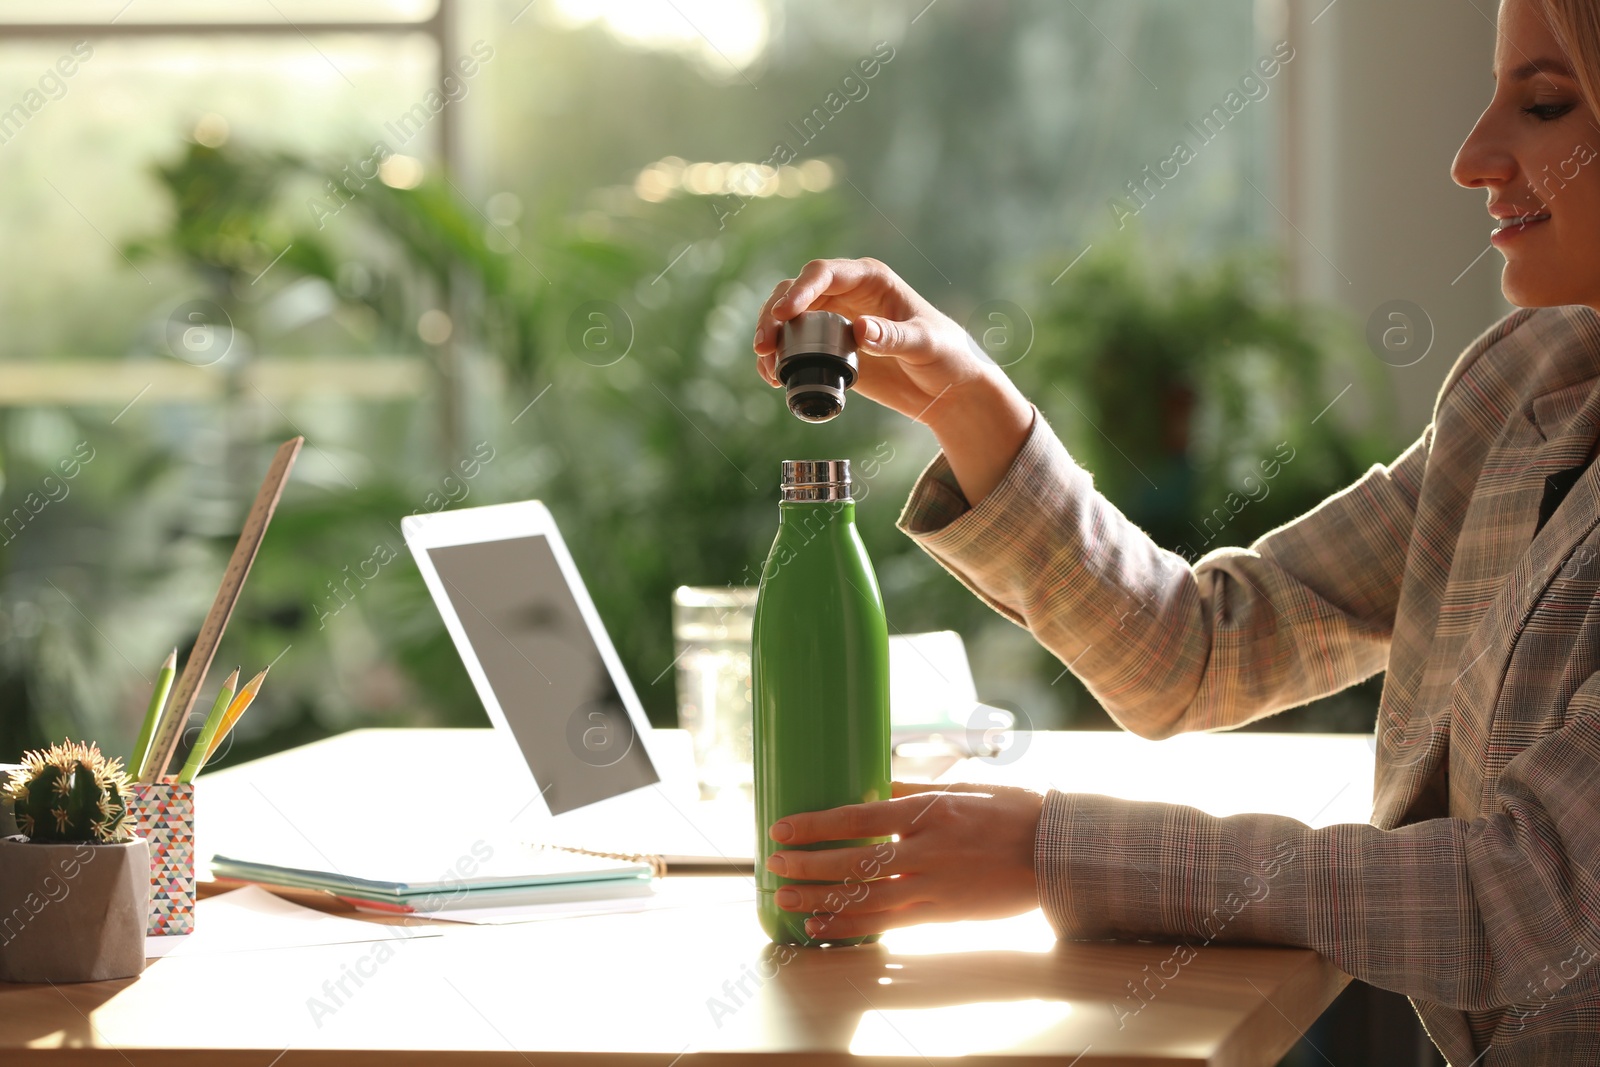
<point>427,875</point>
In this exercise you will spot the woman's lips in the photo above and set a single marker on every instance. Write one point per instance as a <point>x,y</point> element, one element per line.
<point>1511,229</point>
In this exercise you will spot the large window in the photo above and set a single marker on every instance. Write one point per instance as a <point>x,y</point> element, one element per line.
<point>398,207</point>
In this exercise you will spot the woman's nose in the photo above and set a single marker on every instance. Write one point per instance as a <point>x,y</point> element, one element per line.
<point>1485,159</point>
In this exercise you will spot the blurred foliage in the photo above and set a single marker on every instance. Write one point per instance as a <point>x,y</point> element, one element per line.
<point>656,447</point>
<point>87,563</point>
<point>1203,402</point>
<point>1208,408</point>
<point>644,430</point>
<point>660,463</point>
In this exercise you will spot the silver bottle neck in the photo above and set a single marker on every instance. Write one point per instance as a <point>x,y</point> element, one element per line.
<point>816,480</point>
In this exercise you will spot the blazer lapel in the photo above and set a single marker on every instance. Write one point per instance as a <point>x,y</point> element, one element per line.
<point>1534,398</point>
<point>1568,420</point>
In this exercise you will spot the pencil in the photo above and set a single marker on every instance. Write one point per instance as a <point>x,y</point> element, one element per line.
<point>197,755</point>
<point>240,703</point>
<point>158,702</point>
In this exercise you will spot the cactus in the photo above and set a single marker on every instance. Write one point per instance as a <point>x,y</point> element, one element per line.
<point>71,793</point>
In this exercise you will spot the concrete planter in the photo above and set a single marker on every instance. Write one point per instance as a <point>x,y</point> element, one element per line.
<point>72,913</point>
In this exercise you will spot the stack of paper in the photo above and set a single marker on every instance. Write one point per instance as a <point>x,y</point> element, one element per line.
<point>429,875</point>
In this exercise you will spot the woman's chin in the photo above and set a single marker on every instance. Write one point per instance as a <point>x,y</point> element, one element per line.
<point>1527,287</point>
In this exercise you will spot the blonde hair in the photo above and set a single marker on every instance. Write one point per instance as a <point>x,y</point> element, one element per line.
<point>1575,25</point>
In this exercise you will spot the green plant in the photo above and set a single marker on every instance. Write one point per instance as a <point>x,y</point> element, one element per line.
<point>71,793</point>
<point>1202,400</point>
<point>1204,404</point>
<point>667,457</point>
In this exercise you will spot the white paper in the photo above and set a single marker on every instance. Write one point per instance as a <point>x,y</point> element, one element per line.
<point>930,681</point>
<point>684,891</point>
<point>252,919</point>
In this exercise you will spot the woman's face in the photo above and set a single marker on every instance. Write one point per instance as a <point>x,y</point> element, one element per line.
<point>1536,149</point>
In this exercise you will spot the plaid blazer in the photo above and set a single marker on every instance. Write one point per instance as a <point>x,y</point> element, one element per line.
<point>1476,888</point>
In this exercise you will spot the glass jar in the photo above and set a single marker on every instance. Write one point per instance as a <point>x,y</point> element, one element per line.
<point>711,626</point>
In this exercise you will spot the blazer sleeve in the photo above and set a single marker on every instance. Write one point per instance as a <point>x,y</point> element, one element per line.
<point>1475,915</point>
<point>1164,646</point>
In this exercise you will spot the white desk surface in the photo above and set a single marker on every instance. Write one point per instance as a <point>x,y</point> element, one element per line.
<point>1319,779</point>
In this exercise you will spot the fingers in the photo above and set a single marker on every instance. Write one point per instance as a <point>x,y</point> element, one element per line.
<point>880,818</point>
<point>835,864</point>
<point>828,277</point>
<point>900,789</point>
<point>853,897</point>
<point>890,337</point>
<point>849,286</point>
<point>905,789</point>
<point>877,819</point>
<point>766,339</point>
<point>890,319</point>
<point>847,924</point>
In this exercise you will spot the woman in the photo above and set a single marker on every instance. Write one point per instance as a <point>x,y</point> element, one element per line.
<point>1469,568</point>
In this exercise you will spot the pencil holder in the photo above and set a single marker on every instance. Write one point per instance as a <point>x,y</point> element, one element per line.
<point>165,812</point>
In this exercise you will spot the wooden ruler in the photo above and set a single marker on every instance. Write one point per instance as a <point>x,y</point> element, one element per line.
<point>176,717</point>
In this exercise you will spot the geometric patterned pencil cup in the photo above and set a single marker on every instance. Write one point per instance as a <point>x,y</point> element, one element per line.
<point>165,811</point>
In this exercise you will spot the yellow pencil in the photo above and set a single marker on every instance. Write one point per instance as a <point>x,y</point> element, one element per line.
<point>235,710</point>
<point>197,755</point>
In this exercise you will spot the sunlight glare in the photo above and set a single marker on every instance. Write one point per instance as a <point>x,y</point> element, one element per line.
<point>955,1029</point>
<point>720,32</point>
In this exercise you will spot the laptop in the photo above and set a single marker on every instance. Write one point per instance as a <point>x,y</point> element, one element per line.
<point>594,773</point>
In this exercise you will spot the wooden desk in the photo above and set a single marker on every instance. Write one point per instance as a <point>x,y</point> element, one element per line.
<point>663,988</point>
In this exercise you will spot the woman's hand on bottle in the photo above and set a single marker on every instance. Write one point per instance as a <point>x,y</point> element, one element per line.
<point>912,358</point>
<point>964,852</point>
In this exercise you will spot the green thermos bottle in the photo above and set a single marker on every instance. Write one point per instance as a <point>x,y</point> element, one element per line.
<point>819,674</point>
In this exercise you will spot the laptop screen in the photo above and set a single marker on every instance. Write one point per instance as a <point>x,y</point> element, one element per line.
<point>546,672</point>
